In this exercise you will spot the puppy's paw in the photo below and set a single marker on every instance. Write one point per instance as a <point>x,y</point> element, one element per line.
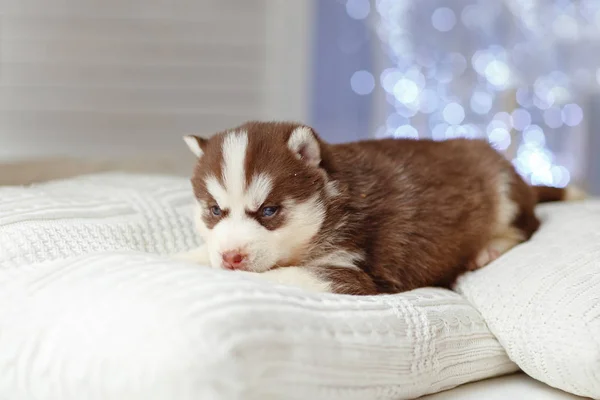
<point>484,257</point>
<point>301,277</point>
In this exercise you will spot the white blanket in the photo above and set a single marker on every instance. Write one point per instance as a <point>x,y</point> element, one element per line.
<point>92,307</point>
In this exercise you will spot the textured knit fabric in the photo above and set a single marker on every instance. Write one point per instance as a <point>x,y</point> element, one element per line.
<point>95,213</point>
<point>92,307</point>
<point>542,299</point>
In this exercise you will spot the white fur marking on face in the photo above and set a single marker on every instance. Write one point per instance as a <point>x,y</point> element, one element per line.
<point>300,277</point>
<point>234,173</point>
<point>339,258</point>
<point>304,144</point>
<point>217,191</point>
<point>235,196</point>
<point>257,192</point>
<point>193,145</point>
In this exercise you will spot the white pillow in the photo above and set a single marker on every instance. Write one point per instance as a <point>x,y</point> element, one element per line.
<point>542,299</point>
<point>134,326</point>
<point>95,213</point>
<point>81,320</point>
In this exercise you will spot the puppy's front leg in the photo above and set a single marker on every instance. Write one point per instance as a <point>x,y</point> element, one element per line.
<point>333,279</point>
<point>302,277</point>
<point>198,255</point>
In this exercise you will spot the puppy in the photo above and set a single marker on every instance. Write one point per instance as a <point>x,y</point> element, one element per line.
<point>361,218</point>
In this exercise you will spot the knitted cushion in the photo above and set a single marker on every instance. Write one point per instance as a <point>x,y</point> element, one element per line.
<point>91,307</point>
<point>95,213</point>
<point>542,299</point>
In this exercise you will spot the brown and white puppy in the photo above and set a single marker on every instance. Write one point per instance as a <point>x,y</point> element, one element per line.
<point>364,218</point>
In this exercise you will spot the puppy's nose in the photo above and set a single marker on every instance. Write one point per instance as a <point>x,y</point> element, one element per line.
<point>233,259</point>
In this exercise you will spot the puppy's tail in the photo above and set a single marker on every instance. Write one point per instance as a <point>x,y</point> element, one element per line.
<point>547,194</point>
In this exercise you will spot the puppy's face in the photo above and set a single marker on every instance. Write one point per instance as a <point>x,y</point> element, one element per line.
<point>260,192</point>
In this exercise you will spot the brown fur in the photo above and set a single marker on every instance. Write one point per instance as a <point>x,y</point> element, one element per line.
<point>418,211</point>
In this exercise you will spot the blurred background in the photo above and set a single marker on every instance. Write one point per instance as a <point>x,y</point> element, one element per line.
<point>90,85</point>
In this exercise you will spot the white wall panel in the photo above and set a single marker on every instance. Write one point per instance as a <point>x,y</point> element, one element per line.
<point>110,77</point>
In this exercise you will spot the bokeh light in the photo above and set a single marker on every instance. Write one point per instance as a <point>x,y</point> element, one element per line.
<point>362,82</point>
<point>406,131</point>
<point>406,90</point>
<point>500,138</point>
<point>454,113</point>
<point>521,119</point>
<point>553,117</point>
<point>572,114</point>
<point>488,69</point>
<point>443,19</point>
<point>358,9</point>
<point>533,135</point>
<point>481,102</point>
<point>428,101</point>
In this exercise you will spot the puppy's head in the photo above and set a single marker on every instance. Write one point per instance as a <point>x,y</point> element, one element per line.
<point>260,192</point>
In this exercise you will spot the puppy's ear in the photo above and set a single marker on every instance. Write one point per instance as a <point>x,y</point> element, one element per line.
<point>304,144</point>
<point>196,144</point>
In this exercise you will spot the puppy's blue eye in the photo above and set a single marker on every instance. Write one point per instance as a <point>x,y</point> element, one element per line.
<point>215,210</point>
<point>269,211</point>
